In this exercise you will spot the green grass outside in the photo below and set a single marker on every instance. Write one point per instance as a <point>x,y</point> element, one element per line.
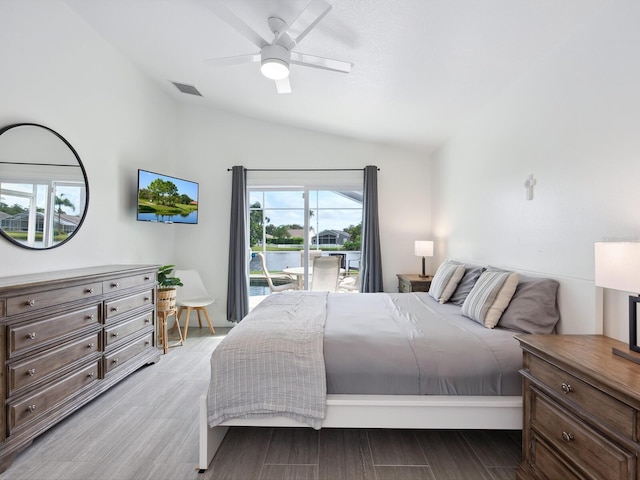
<point>178,209</point>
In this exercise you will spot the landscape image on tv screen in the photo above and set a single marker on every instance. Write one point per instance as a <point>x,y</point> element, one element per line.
<point>166,199</point>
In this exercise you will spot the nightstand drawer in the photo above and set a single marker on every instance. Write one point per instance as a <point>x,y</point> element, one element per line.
<point>545,460</point>
<point>595,402</point>
<point>577,441</point>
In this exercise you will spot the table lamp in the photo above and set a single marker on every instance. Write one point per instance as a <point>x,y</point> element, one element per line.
<point>423,248</point>
<point>618,267</point>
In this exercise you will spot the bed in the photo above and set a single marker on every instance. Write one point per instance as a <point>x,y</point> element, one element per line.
<point>445,359</point>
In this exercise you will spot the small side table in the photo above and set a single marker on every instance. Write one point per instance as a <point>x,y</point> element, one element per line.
<point>411,282</point>
<point>163,334</point>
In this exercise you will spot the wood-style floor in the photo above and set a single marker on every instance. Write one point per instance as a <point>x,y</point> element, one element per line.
<point>146,427</point>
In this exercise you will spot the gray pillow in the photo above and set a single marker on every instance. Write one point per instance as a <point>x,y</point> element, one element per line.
<point>471,275</point>
<point>534,306</point>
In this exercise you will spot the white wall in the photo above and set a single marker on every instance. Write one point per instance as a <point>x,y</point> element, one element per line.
<point>572,123</point>
<point>211,141</point>
<point>58,72</point>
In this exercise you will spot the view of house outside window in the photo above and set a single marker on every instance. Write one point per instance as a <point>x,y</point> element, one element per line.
<point>282,224</point>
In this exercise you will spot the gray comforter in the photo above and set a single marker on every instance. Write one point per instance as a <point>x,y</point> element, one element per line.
<point>284,357</point>
<point>401,343</point>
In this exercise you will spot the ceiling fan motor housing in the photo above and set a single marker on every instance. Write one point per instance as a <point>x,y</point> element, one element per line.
<point>275,61</point>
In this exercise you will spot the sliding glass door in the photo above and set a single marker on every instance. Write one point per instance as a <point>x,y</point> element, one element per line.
<point>290,226</point>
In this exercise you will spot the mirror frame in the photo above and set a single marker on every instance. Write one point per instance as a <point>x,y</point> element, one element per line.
<point>84,174</point>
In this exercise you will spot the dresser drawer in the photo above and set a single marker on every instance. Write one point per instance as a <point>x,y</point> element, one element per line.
<point>597,403</point>
<point>113,308</point>
<point>545,461</point>
<point>23,337</point>
<point>577,441</point>
<point>123,283</point>
<point>122,330</point>
<point>25,373</point>
<point>116,359</point>
<point>37,300</point>
<point>34,406</point>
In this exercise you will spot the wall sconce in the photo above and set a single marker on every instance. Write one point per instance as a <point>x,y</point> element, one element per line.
<point>618,267</point>
<point>423,248</point>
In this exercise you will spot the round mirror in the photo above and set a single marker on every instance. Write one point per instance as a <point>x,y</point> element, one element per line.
<point>44,191</point>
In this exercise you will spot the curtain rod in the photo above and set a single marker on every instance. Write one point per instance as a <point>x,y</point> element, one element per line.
<point>302,169</point>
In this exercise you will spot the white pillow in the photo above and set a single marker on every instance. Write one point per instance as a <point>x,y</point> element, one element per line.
<point>445,281</point>
<point>490,296</point>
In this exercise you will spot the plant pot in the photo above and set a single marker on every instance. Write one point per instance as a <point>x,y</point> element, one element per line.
<point>167,299</point>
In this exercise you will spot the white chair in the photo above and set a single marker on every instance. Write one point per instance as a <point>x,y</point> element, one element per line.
<point>312,254</point>
<point>326,271</point>
<point>275,288</point>
<point>192,296</point>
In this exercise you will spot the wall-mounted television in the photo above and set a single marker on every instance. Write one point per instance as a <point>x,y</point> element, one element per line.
<point>166,199</point>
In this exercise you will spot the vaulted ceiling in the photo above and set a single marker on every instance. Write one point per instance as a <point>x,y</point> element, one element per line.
<point>421,67</point>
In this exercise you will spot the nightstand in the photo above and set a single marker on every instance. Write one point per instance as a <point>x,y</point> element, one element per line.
<point>410,282</point>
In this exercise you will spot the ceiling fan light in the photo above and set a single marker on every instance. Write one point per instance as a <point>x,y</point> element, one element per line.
<point>275,69</point>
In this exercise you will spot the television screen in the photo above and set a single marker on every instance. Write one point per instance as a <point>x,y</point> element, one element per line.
<point>166,199</point>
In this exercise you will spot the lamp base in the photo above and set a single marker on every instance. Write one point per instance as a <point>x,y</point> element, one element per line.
<point>627,354</point>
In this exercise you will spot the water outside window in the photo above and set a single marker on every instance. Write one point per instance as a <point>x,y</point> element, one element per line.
<point>283,222</point>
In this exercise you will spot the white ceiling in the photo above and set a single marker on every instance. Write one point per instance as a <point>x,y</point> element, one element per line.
<point>422,67</point>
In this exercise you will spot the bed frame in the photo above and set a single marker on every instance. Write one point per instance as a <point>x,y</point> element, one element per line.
<point>383,411</point>
<point>576,298</point>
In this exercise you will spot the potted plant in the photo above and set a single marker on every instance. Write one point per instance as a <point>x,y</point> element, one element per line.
<point>167,288</point>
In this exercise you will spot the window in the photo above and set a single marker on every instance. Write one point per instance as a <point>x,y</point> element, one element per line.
<point>291,224</point>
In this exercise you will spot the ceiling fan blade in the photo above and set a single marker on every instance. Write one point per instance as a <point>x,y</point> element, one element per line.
<point>230,18</point>
<point>230,61</point>
<point>320,62</point>
<point>308,18</point>
<point>283,86</point>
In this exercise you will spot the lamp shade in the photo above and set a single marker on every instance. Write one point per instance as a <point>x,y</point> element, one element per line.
<point>424,248</point>
<point>618,266</point>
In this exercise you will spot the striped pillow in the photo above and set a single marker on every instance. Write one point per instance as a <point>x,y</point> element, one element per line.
<point>490,296</point>
<point>445,281</point>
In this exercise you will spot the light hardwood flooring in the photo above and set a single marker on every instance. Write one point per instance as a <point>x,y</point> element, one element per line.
<point>146,427</point>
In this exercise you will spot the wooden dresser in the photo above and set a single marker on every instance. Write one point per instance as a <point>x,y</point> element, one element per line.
<point>581,409</point>
<point>66,337</point>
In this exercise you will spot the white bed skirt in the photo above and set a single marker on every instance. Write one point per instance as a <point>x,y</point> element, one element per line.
<point>384,411</point>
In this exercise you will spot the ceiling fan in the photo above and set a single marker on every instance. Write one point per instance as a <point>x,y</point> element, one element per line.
<point>276,56</point>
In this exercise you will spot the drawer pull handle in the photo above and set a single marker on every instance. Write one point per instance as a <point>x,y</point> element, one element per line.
<point>30,303</point>
<point>115,360</point>
<point>567,437</point>
<point>147,278</point>
<point>90,317</point>
<point>146,299</point>
<point>91,375</point>
<point>31,335</point>
<point>147,343</point>
<point>147,320</point>
<point>31,408</point>
<point>566,388</point>
<point>114,309</point>
<point>115,334</point>
<point>115,285</point>
<point>91,345</point>
<point>89,290</point>
<point>31,372</point>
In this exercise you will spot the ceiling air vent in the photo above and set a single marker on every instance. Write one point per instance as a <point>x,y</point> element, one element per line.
<point>188,89</point>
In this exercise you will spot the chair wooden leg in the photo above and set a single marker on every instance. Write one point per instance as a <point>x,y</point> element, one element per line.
<point>206,314</point>
<point>199,319</point>
<point>186,324</point>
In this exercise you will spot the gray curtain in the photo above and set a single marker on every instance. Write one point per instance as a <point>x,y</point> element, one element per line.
<point>370,260</point>
<point>237,286</point>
